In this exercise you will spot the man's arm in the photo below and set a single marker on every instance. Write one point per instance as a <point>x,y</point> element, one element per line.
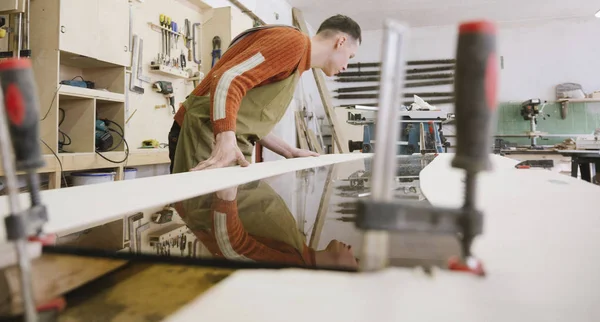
<point>279,146</point>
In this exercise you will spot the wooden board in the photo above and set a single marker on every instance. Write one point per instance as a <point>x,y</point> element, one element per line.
<point>538,250</point>
<point>53,275</point>
<point>315,236</point>
<point>338,136</point>
<point>77,208</point>
<point>140,293</point>
<point>302,139</point>
<point>315,142</point>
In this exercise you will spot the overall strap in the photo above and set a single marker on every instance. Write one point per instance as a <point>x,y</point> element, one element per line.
<point>251,30</point>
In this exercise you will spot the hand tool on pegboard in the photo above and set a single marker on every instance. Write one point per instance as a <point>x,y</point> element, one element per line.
<point>19,121</point>
<point>176,35</point>
<point>170,28</point>
<point>194,43</point>
<point>162,20</point>
<point>188,39</point>
<point>216,52</point>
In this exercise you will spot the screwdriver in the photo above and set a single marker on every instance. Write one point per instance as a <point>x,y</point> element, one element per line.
<point>163,20</point>
<point>168,25</point>
<point>176,36</point>
<point>475,97</point>
<point>21,115</point>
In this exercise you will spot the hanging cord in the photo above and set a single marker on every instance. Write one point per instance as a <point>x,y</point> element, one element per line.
<point>121,135</point>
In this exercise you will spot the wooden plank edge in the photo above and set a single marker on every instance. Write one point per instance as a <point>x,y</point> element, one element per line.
<point>80,207</point>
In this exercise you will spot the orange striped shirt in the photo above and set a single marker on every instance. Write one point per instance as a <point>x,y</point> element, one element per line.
<point>262,57</point>
<point>229,239</point>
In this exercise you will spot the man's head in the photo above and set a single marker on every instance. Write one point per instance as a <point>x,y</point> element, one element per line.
<point>336,254</point>
<point>335,43</point>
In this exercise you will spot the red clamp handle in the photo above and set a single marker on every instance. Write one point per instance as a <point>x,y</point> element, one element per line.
<point>472,266</point>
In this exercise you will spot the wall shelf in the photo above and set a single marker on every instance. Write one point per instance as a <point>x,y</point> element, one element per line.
<point>564,104</point>
<point>74,91</point>
<point>580,100</point>
<point>169,70</point>
<point>91,160</point>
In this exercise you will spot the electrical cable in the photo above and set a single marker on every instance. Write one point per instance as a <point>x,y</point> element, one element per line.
<point>123,140</point>
<point>64,136</point>
<point>62,172</point>
<point>52,102</point>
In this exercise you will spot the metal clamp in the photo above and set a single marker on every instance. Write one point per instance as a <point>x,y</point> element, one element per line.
<point>401,217</point>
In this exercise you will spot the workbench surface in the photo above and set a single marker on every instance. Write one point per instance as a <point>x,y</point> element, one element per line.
<point>305,219</point>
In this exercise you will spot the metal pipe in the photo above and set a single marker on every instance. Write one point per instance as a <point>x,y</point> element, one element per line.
<point>356,79</point>
<point>27,31</point>
<point>407,85</point>
<point>431,83</point>
<point>19,35</point>
<point>533,138</point>
<point>365,73</point>
<point>428,70</point>
<point>376,243</point>
<point>15,208</point>
<point>356,89</point>
<point>429,76</point>
<point>410,62</point>
<point>431,62</point>
<point>409,77</point>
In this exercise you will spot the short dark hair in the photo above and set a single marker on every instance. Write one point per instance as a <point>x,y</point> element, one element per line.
<point>341,23</point>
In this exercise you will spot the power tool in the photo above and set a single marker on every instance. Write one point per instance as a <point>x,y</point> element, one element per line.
<point>104,140</point>
<point>78,83</point>
<point>166,88</point>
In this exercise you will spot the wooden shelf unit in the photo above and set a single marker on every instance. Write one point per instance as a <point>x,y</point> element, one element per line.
<point>65,46</point>
<point>90,161</point>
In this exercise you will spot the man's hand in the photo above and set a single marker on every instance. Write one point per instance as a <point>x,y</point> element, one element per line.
<point>301,153</point>
<point>279,146</point>
<point>228,194</point>
<point>225,153</point>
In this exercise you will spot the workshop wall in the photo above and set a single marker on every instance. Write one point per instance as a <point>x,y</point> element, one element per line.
<point>150,122</point>
<point>537,55</point>
<point>582,118</point>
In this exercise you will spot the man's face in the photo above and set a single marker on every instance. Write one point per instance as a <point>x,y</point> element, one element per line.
<point>343,254</point>
<point>345,48</point>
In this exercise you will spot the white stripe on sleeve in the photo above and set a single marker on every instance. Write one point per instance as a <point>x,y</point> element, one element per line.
<point>223,239</point>
<point>225,82</point>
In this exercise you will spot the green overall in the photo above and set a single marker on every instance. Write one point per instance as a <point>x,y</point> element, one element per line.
<point>261,210</point>
<point>260,110</point>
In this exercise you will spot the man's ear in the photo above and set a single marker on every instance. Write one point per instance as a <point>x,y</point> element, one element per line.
<point>341,40</point>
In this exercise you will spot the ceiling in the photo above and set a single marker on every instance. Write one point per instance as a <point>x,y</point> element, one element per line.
<point>419,13</point>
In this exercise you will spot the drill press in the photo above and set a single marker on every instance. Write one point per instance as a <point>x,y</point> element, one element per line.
<point>529,111</point>
<point>475,93</point>
<point>19,120</point>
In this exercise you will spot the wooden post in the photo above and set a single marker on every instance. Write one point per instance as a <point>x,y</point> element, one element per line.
<point>325,98</point>
<point>55,179</point>
<point>323,208</point>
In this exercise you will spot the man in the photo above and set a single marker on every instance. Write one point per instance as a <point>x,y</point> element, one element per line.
<point>248,91</point>
<point>253,223</point>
